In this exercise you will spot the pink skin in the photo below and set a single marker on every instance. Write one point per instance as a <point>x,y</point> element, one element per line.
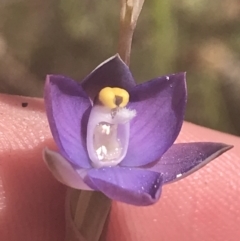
<point>204,206</point>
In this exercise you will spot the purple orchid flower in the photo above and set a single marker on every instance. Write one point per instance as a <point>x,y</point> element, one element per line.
<point>117,137</point>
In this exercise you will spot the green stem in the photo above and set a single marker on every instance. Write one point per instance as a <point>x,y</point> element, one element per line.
<point>86,215</point>
<point>87,211</point>
<point>130,10</point>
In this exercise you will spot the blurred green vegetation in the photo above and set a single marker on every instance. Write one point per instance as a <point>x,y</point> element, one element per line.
<point>71,37</point>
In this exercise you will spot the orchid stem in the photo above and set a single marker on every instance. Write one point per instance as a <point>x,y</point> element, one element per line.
<point>86,215</point>
<point>130,11</point>
<point>87,211</point>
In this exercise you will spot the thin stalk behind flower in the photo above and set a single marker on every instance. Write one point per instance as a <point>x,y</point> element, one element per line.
<point>130,11</point>
<point>87,211</point>
<point>86,215</point>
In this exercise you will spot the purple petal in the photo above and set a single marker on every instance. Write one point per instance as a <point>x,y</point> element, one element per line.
<point>129,185</point>
<point>112,73</point>
<point>68,108</point>
<point>160,106</point>
<point>185,158</point>
<point>63,171</point>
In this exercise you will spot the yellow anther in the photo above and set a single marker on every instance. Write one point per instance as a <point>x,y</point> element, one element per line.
<point>109,96</point>
<point>122,93</point>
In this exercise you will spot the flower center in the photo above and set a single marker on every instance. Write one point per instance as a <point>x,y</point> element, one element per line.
<point>106,142</point>
<point>109,127</point>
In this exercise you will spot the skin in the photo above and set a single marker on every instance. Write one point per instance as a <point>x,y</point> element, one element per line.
<point>204,206</point>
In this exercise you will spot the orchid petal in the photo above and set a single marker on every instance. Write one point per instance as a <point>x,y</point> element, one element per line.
<point>111,73</point>
<point>63,171</point>
<point>68,108</point>
<point>160,106</point>
<point>185,158</point>
<point>129,185</point>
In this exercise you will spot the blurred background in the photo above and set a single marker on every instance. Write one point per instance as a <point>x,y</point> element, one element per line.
<point>71,37</point>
